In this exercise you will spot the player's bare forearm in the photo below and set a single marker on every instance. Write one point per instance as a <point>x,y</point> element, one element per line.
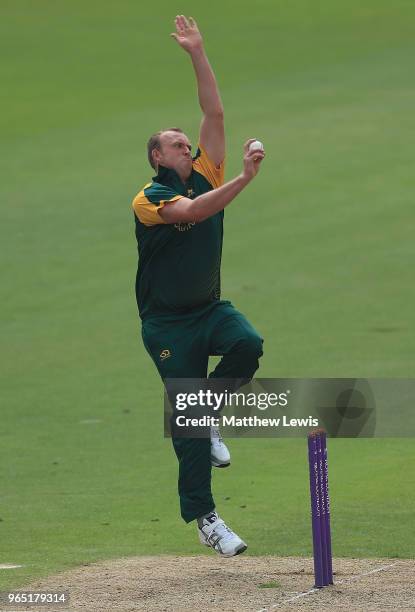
<point>207,87</point>
<point>205,205</point>
<point>210,203</point>
<point>213,201</point>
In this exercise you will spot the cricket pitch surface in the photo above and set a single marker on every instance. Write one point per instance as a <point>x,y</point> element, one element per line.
<point>242,583</point>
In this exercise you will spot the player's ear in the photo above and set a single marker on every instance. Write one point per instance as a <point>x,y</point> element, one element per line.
<point>155,154</point>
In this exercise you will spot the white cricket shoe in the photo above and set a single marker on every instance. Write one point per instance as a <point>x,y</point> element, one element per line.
<point>217,535</point>
<point>219,454</point>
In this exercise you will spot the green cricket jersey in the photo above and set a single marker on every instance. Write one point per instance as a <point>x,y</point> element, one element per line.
<point>179,264</point>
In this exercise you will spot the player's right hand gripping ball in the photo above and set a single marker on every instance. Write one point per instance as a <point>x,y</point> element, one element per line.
<point>256,146</point>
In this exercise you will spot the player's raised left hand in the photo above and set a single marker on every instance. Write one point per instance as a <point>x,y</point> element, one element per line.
<point>187,34</point>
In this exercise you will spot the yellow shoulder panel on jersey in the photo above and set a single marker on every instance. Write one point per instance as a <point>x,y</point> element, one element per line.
<point>205,166</point>
<point>147,210</point>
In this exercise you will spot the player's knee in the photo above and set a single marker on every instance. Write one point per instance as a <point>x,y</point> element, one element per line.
<point>252,346</point>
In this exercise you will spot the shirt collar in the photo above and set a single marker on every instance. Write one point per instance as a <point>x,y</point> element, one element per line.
<point>168,176</point>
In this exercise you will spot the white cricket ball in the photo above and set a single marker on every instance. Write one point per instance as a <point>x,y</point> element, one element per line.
<point>256,146</point>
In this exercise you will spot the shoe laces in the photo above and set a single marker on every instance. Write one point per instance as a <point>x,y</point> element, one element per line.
<point>219,531</point>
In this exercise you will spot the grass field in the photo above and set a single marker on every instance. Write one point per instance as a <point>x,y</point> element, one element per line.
<point>318,254</point>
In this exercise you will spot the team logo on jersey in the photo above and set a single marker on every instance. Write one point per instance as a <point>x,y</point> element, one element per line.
<point>183,227</point>
<point>190,193</point>
<point>165,353</point>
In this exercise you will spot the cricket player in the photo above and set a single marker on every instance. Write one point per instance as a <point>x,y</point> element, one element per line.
<point>179,229</point>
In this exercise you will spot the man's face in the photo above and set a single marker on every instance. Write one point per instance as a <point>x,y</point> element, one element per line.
<point>175,152</point>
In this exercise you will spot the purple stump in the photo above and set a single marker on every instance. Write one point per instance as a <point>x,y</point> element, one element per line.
<point>320,441</point>
<point>320,508</point>
<point>315,510</point>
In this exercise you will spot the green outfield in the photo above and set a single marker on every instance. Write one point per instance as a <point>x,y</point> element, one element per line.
<point>318,254</point>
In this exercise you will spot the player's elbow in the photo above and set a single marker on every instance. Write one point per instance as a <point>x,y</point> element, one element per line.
<point>191,211</point>
<point>198,215</point>
<point>182,211</point>
<point>192,214</point>
<point>217,113</point>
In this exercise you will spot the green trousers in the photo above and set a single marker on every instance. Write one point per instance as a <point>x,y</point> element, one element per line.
<point>180,346</point>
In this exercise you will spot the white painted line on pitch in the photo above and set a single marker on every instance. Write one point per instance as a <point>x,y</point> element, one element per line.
<point>291,599</point>
<point>315,590</point>
<point>9,566</point>
<point>374,571</point>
